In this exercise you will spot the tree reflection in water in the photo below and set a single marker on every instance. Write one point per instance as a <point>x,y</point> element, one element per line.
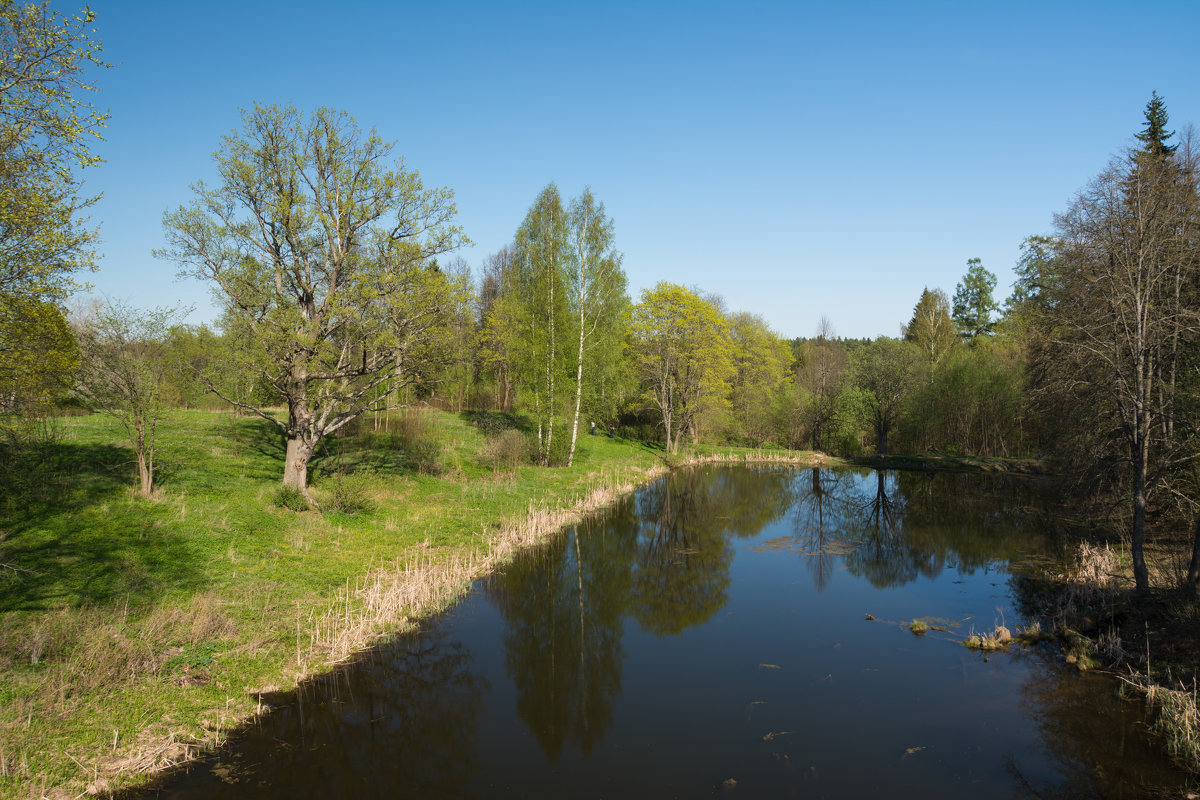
<point>414,718</point>
<point>661,558</point>
<point>563,606</point>
<point>403,717</point>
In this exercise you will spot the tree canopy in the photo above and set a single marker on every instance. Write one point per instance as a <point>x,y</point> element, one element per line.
<point>47,128</point>
<point>324,257</point>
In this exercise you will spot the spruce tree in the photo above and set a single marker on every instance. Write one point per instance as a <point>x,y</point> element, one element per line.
<point>1154,135</point>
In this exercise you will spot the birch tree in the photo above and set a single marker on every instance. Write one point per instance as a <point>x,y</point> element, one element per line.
<point>540,307</point>
<point>324,257</point>
<point>596,287</point>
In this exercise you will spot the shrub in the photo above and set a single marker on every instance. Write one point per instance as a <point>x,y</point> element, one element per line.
<point>348,493</point>
<point>291,498</point>
<point>507,449</point>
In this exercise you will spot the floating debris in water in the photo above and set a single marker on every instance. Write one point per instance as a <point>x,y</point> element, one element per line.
<point>775,734</point>
<point>769,666</point>
<point>787,544</point>
<point>908,752</point>
<point>729,784</point>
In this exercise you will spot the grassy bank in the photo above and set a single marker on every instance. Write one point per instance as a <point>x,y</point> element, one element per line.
<point>135,633</point>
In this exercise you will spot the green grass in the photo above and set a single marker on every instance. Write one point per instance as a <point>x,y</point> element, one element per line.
<point>133,631</point>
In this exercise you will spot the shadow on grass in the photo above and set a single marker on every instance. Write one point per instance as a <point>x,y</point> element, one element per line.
<point>72,533</point>
<point>495,422</point>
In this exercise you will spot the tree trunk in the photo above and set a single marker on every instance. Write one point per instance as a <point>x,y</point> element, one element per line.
<point>578,390</point>
<point>1141,575</point>
<point>295,469</point>
<point>145,474</point>
<point>1193,574</point>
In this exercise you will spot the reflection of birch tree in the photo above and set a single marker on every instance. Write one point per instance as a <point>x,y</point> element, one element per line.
<point>563,607</point>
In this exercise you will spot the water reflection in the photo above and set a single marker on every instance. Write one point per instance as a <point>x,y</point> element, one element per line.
<point>673,645</point>
<point>404,716</point>
<point>563,609</point>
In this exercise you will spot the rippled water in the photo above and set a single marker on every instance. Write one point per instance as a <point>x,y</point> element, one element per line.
<point>736,632</point>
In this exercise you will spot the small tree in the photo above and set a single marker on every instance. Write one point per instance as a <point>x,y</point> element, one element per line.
<point>931,327</point>
<point>123,365</point>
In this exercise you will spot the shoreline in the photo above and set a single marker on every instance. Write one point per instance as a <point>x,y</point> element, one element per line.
<point>392,599</point>
<point>375,599</point>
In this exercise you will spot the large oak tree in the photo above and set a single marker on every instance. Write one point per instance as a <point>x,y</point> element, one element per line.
<point>324,257</point>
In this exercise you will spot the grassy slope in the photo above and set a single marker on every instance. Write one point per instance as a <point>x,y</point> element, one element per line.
<point>137,630</point>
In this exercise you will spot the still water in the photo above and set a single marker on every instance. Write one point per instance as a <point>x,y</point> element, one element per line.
<point>713,636</point>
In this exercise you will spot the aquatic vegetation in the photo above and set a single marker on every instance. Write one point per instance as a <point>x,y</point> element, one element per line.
<point>998,639</point>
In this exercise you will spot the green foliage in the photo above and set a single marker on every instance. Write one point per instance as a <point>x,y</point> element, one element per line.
<point>972,403</point>
<point>47,127</point>
<point>354,309</point>
<point>973,302</point>
<point>1154,134</point>
<point>821,376</point>
<point>931,327</point>
<point>884,373</point>
<point>38,359</point>
<point>291,498</point>
<point>347,493</point>
<point>684,358</point>
<point>760,367</point>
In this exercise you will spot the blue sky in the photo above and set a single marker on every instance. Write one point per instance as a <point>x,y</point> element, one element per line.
<point>799,159</point>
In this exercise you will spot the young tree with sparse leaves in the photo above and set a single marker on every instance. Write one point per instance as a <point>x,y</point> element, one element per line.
<point>123,366</point>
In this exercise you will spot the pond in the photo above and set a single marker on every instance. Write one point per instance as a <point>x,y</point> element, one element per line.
<point>732,632</point>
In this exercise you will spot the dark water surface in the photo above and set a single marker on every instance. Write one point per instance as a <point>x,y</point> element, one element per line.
<point>710,637</point>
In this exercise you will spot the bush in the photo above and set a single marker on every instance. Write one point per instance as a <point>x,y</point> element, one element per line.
<point>507,449</point>
<point>291,498</point>
<point>560,446</point>
<point>349,493</point>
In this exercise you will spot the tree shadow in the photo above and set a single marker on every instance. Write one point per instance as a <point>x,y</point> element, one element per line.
<point>496,422</point>
<point>72,534</point>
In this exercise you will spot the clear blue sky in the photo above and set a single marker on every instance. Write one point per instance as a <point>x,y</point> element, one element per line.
<point>800,159</point>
